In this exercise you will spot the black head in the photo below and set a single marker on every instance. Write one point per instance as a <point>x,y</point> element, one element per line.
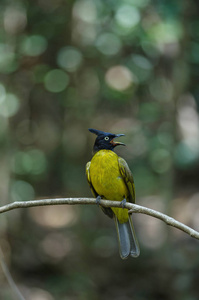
<point>105,140</point>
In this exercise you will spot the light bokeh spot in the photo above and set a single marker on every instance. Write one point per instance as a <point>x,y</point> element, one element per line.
<point>56,81</point>
<point>119,78</point>
<point>108,43</point>
<point>34,45</point>
<point>8,62</point>
<point>54,216</point>
<point>9,105</point>
<point>85,10</point>
<point>38,294</point>
<point>69,58</point>
<point>30,162</point>
<point>22,190</point>
<point>127,16</point>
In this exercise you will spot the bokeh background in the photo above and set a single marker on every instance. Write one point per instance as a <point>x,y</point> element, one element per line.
<point>129,67</point>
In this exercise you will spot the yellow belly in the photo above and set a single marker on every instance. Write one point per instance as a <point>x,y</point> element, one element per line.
<point>107,181</point>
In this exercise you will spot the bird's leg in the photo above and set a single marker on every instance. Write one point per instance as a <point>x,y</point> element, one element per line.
<point>123,202</point>
<point>98,200</point>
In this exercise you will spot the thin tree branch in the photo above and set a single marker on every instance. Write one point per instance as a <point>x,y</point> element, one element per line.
<point>9,278</point>
<point>133,208</point>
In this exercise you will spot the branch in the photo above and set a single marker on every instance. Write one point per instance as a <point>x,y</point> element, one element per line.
<point>9,278</point>
<point>133,208</point>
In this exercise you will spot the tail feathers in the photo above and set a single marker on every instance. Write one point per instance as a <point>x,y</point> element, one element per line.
<point>128,244</point>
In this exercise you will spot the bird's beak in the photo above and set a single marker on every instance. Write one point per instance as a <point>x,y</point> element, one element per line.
<point>117,143</point>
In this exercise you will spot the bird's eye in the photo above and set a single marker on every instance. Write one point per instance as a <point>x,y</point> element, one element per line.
<point>106,138</point>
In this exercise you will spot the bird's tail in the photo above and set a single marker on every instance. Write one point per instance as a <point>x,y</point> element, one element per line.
<point>128,244</point>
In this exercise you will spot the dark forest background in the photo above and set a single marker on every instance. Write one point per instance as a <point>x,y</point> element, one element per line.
<point>127,67</point>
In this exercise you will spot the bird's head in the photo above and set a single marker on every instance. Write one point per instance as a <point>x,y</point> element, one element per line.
<point>105,140</point>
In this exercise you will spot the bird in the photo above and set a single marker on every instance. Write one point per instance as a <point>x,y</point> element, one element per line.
<point>110,178</point>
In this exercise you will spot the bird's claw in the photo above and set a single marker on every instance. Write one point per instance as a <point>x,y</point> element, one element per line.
<point>98,200</point>
<point>123,202</point>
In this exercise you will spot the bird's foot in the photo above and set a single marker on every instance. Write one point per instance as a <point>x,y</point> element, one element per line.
<point>123,202</point>
<point>98,200</point>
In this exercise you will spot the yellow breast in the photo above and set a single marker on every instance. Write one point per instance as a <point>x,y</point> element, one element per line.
<point>107,181</point>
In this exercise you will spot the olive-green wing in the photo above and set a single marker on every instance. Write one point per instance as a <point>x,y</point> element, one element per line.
<point>127,177</point>
<point>89,179</point>
<point>108,211</point>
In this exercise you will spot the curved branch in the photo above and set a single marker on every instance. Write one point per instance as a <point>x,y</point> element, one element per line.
<point>9,278</point>
<point>133,208</point>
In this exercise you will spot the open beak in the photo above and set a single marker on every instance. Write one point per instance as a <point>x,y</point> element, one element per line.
<point>117,143</point>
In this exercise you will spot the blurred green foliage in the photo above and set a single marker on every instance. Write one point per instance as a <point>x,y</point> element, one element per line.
<point>120,66</point>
